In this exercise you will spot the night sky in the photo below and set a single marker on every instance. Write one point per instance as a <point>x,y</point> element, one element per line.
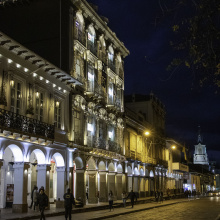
<point>146,33</point>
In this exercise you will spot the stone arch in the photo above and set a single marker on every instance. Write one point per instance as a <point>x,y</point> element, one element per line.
<point>136,171</point>
<point>141,172</point>
<point>146,172</point>
<point>119,168</point>
<point>40,156</point>
<point>80,20</point>
<point>101,166</point>
<point>16,152</point>
<point>78,162</point>
<point>58,159</point>
<point>151,173</point>
<point>111,50</point>
<point>111,167</point>
<point>129,170</point>
<point>91,164</point>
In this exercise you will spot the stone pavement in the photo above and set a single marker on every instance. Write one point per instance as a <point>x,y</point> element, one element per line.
<point>91,211</point>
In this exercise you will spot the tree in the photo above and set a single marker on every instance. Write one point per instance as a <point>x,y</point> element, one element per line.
<point>196,28</point>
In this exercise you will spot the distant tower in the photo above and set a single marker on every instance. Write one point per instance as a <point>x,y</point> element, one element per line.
<point>200,156</point>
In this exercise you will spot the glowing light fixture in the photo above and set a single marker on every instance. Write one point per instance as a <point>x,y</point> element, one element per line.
<point>47,81</point>
<point>9,61</point>
<point>18,65</point>
<point>59,88</point>
<point>54,85</point>
<point>41,78</point>
<point>12,82</point>
<point>25,69</point>
<point>173,147</point>
<point>57,104</point>
<point>147,133</point>
<point>37,94</point>
<point>34,74</point>
<point>64,91</point>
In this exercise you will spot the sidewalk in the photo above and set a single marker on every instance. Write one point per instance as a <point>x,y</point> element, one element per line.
<point>92,211</point>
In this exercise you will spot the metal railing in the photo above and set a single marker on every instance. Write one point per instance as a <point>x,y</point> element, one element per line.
<point>12,121</point>
<point>113,146</point>
<point>92,47</point>
<point>80,36</point>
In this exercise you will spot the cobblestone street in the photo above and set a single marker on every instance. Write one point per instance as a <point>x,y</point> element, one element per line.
<point>205,208</point>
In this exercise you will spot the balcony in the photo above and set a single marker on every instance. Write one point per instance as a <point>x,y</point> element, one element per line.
<point>78,138</point>
<point>163,163</point>
<point>113,146</point>
<point>111,65</point>
<point>19,123</point>
<point>90,86</point>
<point>92,47</point>
<point>80,36</point>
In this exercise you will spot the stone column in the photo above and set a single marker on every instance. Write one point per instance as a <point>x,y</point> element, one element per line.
<point>71,176</point>
<point>43,177</point>
<point>119,188</point>
<point>60,186</point>
<point>92,175</point>
<point>111,183</point>
<point>80,185</point>
<point>20,187</point>
<point>103,193</point>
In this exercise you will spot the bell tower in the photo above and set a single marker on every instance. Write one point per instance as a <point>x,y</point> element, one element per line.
<point>200,156</point>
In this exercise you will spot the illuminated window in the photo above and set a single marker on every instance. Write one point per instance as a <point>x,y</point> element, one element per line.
<point>39,106</point>
<point>91,37</point>
<point>57,114</point>
<point>16,98</point>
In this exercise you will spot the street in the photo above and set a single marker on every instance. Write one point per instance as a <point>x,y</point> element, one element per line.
<point>205,208</point>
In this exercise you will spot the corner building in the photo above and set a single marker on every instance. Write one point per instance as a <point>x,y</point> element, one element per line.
<point>72,36</point>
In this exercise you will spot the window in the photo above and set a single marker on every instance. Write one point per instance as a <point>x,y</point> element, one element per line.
<point>110,57</point>
<point>90,86</point>
<point>91,37</point>
<point>57,114</point>
<point>39,106</point>
<point>16,98</point>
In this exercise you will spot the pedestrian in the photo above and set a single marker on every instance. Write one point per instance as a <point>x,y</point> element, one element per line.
<point>157,196</point>
<point>32,197</point>
<point>68,202</point>
<point>35,196</point>
<point>42,200</point>
<point>124,196</point>
<point>161,196</point>
<point>168,193</point>
<point>132,195</point>
<point>110,200</point>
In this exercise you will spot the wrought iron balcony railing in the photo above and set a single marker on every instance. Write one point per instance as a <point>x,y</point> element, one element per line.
<point>113,146</point>
<point>80,36</point>
<point>92,47</point>
<point>12,121</point>
<point>90,86</point>
<point>78,138</point>
<point>111,65</point>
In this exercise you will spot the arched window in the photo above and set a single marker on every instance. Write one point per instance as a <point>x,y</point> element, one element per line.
<point>91,43</point>
<point>79,27</point>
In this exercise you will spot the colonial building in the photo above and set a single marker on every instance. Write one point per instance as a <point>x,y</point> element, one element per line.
<point>34,109</point>
<point>71,35</point>
<point>178,170</point>
<point>149,153</point>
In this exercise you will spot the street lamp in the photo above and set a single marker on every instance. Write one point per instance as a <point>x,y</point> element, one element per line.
<point>173,147</point>
<point>147,133</point>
